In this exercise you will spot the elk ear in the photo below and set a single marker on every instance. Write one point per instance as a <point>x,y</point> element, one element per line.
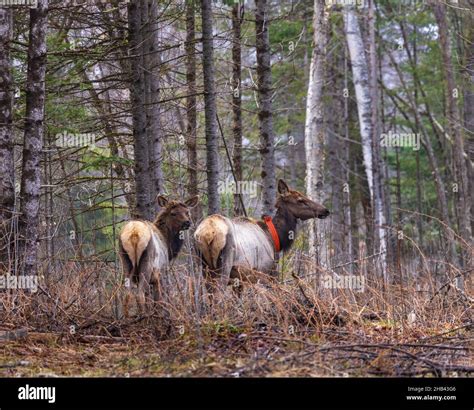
<point>283,188</point>
<point>161,200</point>
<point>192,202</point>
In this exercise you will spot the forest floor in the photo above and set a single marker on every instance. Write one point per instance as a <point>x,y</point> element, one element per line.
<point>376,349</point>
<point>73,326</point>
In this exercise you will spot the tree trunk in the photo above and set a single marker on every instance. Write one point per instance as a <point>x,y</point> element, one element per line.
<point>366,95</point>
<point>377,162</point>
<point>7,165</point>
<point>347,206</point>
<point>455,125</point>
<point>237,15</point>
<point>212,145</point>
<point>191,113</point>
<point>468,93</point>
<point>152,87</point>
<point>264,84</point>
<point>33,139</point>
<point>360,73</point>
<point>419,181</point>
<point>138,93</point>
<point>315,133</point>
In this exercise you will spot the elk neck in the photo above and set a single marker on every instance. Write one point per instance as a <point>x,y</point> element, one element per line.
<point>285,225</point>
<point>172,237</point>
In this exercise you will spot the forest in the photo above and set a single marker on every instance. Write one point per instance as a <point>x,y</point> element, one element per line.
<point>236,188</point>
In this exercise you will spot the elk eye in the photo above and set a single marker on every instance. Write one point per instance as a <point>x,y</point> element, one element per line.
<point>301,200</point>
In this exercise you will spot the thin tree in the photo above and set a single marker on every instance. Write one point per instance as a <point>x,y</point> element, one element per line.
<point>360,78</point>
<point>264,85</point>
<point>139,117</point>
<point>468,90</point>
<point>191,113</point>
<point>7,170</point>
<point>152,89</point>
<point>33,139</point>
<point>455,125</point>
<point>237,16</point>
<point>362,85</point>
<point>212,146</point>
<point>315,133</point>
<point>378,185</point>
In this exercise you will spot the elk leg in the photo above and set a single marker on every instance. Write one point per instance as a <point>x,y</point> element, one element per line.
<point>210,277</point>
<point>126,302</point>
<point>156,286</point>
<point>128,293</point>
<point>221,272</point>
<point>143,293</point>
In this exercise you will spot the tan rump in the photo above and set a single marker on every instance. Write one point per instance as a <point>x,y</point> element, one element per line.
<point>135,237</point>
<point>210,238</point>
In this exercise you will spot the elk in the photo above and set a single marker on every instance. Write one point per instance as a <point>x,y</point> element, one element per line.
<point>146,248</point>
<point>244,248</point>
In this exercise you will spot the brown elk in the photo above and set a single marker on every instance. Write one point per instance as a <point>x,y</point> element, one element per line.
<point>243,248</point>
<point>146,248</point>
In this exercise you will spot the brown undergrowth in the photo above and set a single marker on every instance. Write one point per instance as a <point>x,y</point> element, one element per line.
<point>73,326</point>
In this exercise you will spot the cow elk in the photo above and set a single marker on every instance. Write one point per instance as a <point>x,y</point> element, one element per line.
<point>244,249</point>
<point>147,248</point>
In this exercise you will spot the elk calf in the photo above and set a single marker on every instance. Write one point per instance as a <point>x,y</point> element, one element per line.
<point>146,248</point>
<point>232,248</point>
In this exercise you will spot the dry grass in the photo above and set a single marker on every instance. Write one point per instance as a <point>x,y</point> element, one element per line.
<point>419,327</point>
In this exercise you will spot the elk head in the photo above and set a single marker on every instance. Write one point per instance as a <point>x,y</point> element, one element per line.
<point>298,204</point>
<point>175,215</point>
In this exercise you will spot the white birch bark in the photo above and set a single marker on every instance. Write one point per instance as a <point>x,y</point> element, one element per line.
<point>377,162</point>
<point>360,74</point>
<point>315,134</point>
<point>367,122</point>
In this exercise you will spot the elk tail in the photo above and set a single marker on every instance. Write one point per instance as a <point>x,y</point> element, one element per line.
<point>210,238</point>
<point>134,239</point>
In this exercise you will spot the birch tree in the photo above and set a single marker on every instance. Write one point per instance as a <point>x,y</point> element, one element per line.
<point>33,139</point>
<point>361,80</point>
<point>264,84</point>
<point>379,203</point>
<point>315,134</point>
